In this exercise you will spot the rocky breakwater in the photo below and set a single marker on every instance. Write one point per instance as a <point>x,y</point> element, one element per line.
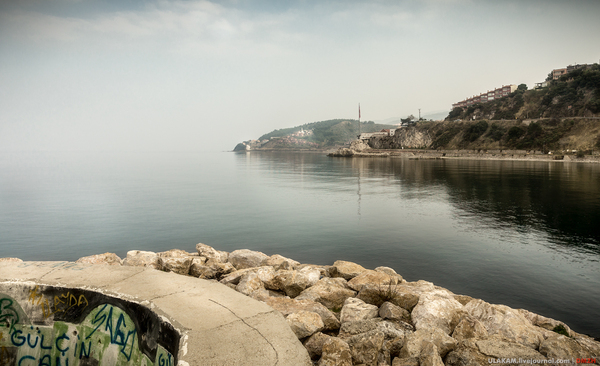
<point>345,314</point>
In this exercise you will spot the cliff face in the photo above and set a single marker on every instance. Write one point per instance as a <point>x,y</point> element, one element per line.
<point>409,137</point>
<point>581,134</point>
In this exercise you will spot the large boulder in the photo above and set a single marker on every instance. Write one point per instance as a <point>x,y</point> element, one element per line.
<point>469,327</point>
<point>177,261</point>
<point>331,292</point>
<point>251,285</point>
<point>387,310</point>
<point>211,253</point>
<point>355,309</point>
<point>287,306</point>
<point>390,329</point>
<point>106,258</point>
<point>140,258</point>
<point>369,277</point>
<point>365,347</point>
<point>414,342</point>
<point>436,312</point>
<point>430,356</point>
<point>246,258</point>
<point>305,323</point>
<point>294,282</point>
<point>280,262</point>
<point>500,348</point>
<point>346,270</point>
<point>399,295</point>
<point>543,322</point>
<point>200,270</point>
<point>562,347</point>
<point>335,352</point>
<point>314,344</point>
<point>505,322</point>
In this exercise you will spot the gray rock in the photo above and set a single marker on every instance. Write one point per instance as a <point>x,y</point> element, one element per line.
<point>430,356</point>
<point>469,327</point>
<point>499,348</point>
<point>279,262</point>
<point>106,258</point>
<point>393,312</point>
<point>198,269</point>
<point>369,277</point>
<point>399,295</point>
<point>177,261</point>
<point>346,270</point>
<point>466,354</point>
<point>314,344</point>
<point>414,342</point>
<point>305,323</point>
<point>245,258</point>
<point>355,309</point>
<point>543,322</point>
<point>389,271</point>
<point>251,285</point>
<point>331,292</point>
<point>505,322</point>
<point>234,277</point>
<point>294,282</point>
<point>437,312</point>
<point>335,352</point>
<point>288,306</point>
<point>561,347</point>
<point>365,347</point>
<point>413,361</point>
<point>141,258</point>
<point>211,253</point>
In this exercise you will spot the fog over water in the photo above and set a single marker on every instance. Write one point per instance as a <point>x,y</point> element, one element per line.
<point>524,234</point>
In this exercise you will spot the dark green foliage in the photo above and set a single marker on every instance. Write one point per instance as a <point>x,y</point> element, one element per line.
<point>475,131</point>
<point>496,132</point>
<point>515,132</point>
<point>522,87</point>
<point>455,113</point>
<point>560,329</point>
<point>443,137</point>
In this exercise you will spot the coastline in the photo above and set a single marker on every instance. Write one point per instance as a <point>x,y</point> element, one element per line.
<point>345,314</point>
<point>500,155</point>
<point>425,154</point>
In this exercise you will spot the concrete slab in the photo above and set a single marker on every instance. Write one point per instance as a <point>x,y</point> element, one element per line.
<point>216,325</point>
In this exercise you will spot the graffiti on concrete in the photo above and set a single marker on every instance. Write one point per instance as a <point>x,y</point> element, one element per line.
<point>81,328</point>
<point>60,303</point>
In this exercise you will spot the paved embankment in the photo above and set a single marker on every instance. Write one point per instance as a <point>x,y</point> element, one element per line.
<point>72,314</point>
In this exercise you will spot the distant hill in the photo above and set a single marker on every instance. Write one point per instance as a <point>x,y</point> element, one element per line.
<point>576,94</point>
<point>314,135</point>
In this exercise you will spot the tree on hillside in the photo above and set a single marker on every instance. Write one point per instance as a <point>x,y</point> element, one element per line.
<point>522,87</point>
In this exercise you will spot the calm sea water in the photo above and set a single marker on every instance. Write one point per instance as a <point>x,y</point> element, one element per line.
<point>524,234</point>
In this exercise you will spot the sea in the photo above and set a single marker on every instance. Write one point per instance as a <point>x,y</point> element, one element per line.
<point>520,233</point>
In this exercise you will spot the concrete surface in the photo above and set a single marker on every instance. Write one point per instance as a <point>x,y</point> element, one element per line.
<point>216,325</point>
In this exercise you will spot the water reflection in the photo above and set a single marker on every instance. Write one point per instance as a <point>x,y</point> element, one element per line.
<point>561,200</point>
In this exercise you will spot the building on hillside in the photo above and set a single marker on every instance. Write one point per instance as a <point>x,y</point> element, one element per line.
<point>556,73</point>
<point>487,97</point>
<point>541,85</point>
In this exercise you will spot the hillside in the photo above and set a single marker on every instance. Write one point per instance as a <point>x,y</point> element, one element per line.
<point>315,135</point>
<point>576,94</point>
<point>558,135</point>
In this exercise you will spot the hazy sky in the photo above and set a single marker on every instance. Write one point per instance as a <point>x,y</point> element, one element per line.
<point>202,75</point>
